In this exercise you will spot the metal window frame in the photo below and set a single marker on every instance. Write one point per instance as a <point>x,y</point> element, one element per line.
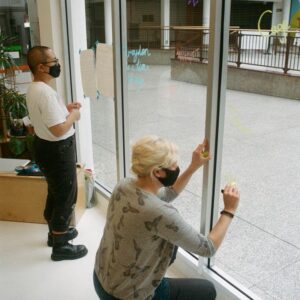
<point>120,86</point>
<point>215,111</point>
<point>214,131</point>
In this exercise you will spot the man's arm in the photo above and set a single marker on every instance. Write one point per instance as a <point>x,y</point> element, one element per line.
<point>60,129</point>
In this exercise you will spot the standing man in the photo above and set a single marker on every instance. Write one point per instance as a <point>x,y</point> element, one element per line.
<point>55,151</point>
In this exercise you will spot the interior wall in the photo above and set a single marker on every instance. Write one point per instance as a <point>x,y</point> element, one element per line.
<point>51,36</point>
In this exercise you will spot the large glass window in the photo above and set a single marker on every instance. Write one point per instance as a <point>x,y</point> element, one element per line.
<point>167,56</point>
<point>162,100</point>
<point>261,138</point>
<point>102,107</point>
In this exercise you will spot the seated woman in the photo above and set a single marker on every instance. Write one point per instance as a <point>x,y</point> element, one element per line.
<point>143,228</point>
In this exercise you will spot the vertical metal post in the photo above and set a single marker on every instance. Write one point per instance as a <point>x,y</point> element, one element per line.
<point>120,85</point>
<point>239,44</point>
<point>215,110</point>
<point>176,43</point>
<point>287,53</point>
<point>201,44</point>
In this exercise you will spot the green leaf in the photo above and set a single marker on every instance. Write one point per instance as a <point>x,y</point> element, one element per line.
<point>17,146</point>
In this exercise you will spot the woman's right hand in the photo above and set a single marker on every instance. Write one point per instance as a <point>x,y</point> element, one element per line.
<point>231,198</point>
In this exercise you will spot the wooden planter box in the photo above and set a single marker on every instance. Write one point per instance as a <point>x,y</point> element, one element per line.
<point>22,198</point>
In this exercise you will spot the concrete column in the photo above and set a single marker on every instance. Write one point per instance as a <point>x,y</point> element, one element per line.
<point>206,12</point>
<point>286,11</point>
<point>277,13</point>
<point>165,22</point>
<point>108,21</point>
<point>206,19</point>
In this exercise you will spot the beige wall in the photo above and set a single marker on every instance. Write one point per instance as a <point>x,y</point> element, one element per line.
<point>51,35</point>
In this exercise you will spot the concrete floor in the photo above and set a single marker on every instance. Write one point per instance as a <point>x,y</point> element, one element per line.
<point>28,273</point>
<point>260,153</point>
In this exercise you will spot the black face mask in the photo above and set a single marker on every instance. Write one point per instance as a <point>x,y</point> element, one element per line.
<point>54,71</point>
<point>171,177</point>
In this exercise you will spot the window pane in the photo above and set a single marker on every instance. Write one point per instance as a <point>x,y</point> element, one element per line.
<point>260,151</point>
<point>165,95</point>
<point>102,108</point>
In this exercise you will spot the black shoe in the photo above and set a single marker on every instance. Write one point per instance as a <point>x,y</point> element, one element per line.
<point>68,251</point>
<point>70,235</point>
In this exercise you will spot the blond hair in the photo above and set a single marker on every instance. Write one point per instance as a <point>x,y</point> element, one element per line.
<point>152,152</point>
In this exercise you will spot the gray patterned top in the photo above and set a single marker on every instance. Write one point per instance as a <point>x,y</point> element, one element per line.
<point>138,239</point>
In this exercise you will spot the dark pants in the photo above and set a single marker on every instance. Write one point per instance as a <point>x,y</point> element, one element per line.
<point>172,289</point>
<point>57,161</point>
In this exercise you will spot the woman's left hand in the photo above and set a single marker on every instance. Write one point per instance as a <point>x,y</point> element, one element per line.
<point>200,155</point>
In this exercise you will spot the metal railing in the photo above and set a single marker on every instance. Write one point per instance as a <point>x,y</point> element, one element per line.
<point>267,49</point>
<point>262,49</point>
<point>151,37</point>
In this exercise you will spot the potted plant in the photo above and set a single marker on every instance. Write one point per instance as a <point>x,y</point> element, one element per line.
<point>7,80</point>
<point>14,105</point>
<point>12,108</point>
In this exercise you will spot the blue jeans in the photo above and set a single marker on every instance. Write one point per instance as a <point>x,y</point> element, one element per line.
<point>162,292</point>
<point>172,289</point>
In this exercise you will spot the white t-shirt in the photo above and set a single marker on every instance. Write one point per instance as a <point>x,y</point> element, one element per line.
<point>46,109</point>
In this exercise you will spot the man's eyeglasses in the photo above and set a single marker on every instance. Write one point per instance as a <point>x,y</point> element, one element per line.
<point>56,61</point>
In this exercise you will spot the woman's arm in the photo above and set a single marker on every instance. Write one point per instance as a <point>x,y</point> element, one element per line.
<point>175,229</point>
<point>231,198</point>
<point>199,158</point>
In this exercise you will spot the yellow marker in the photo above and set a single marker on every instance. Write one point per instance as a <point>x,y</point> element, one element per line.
<point>205,154</point>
